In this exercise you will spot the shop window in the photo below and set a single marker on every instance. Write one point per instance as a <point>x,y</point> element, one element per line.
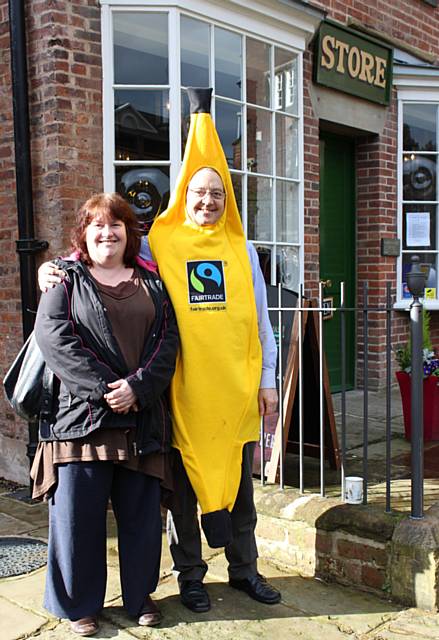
<point>156,54</point>
<point>419,193</point>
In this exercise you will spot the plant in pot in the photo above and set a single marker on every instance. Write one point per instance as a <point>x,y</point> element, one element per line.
<point>430,383</point>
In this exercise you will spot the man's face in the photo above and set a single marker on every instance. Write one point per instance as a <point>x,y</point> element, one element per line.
<point>205,198</point>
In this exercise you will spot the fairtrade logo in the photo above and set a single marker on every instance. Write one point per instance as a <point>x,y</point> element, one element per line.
<point>205,281</point>
<point>207,271</point>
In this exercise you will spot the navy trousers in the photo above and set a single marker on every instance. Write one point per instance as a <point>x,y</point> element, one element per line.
<point>77,564</point>
<point>184,532</point>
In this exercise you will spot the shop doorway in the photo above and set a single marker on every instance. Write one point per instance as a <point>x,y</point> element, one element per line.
<point>337,248</point>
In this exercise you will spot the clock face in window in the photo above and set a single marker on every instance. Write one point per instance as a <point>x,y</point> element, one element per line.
<point>419,178</point>
<point>147,191</point>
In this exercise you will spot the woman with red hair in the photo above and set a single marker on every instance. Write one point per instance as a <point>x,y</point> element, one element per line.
<point>108,332</point>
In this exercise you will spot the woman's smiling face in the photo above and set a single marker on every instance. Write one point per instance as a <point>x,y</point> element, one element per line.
<point>106,240</point>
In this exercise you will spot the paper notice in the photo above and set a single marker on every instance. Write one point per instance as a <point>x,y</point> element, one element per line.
<point>418,228</point>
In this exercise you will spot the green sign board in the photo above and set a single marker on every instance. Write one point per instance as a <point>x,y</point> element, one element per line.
<point>353,63</point>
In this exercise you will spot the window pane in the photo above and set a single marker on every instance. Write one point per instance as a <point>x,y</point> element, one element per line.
<point>228,55</point>
<point>419,131</point>
<point>237,188</point>
<point>185,120</point>
<point>287,211</point>
<point>228,118</point>
<point>264,255</point>
<point>285,81</point>
<point>419,177</point>
<point>428,262</point>
<point>415,227</point>
<point>194,53</point>
<point>258,140</point>
<point>288,267</point>
<point>141,121</point>
<point>140,48</point>
<point>146,189</point>
<point>287,147</point>
<point>259,208</point>
<point>258,72</point>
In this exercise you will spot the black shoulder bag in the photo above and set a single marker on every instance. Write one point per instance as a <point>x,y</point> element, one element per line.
<point>29,383</point>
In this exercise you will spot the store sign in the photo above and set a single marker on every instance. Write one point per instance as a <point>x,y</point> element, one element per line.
<point>353,63</point>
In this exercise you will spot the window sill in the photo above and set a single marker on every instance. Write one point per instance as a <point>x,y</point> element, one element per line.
<point>404,305</point>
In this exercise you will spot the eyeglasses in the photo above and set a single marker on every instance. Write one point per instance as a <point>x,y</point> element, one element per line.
<point>216,193</point>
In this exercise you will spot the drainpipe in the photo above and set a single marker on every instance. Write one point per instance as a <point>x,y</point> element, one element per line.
<point>27,245</point>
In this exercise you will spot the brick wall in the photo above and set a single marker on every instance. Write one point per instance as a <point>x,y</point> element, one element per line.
<point>65,92</point>
<point>416,24</point>
<point>410,21</point>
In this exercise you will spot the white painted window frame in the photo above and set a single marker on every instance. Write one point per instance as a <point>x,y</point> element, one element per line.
<point>413,89</point>
<point>280,25</point>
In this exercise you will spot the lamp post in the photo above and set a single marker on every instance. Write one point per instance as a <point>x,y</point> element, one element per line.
<point>416,280</point>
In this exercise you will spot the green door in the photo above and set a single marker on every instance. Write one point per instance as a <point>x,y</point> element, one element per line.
<point>337,248</point>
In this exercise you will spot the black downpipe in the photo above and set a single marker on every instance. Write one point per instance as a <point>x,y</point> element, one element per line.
<point>27,245</point>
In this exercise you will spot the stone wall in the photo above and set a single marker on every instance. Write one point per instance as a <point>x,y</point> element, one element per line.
<point>390,555</point>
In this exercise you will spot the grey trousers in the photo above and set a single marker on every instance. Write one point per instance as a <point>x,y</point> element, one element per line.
<point>184,532</point>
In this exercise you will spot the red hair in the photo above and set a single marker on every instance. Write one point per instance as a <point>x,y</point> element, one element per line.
<point>110,206</point>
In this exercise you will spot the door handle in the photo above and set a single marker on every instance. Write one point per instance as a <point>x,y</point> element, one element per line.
<point>326,283</point>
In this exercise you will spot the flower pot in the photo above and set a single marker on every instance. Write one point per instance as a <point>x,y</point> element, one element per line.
<point>431,405</point>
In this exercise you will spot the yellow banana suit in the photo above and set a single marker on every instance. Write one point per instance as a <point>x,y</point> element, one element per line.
<point>207,272</point>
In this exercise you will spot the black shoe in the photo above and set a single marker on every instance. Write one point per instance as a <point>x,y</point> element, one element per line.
<point>257,588</point>
<point>194,596</point>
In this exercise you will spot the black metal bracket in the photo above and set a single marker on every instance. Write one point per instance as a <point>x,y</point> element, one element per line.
<point>31,245</point>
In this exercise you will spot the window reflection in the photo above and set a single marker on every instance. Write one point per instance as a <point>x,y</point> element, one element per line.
<point>419,130</point>
<point>428,263</point>
<point>258,72</point>
<point>285,81</point>
<point>237,188</point>
<point>146,189</point>
<point>185,120</point>
<point>287,147</point>
<point>287,211</point>
<point>228,117</point>
<point>228,56</point>
<point>194,36</point>
<point>419,177</point>
<point>288,267</point>
<point>258,140</point>
<point>259,208</point>
<point>141,125</point>
<point>140,48</point>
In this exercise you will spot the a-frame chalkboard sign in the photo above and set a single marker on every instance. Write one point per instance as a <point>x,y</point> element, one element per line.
<point>288,437</point>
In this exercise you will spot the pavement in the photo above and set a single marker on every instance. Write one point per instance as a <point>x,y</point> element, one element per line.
<point>310,609</point>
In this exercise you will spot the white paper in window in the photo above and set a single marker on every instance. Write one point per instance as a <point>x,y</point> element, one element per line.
<point>418,228</point>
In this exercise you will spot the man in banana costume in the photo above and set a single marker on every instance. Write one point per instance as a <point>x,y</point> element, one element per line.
<point>225,371</point>
<point>223,381</point>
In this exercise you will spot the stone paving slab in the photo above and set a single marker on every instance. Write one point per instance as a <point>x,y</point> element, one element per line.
<point>10,526</point>
<point>16,622</point>
<point>35,515</point>
<point>412,624</point>
<point>26,591</point>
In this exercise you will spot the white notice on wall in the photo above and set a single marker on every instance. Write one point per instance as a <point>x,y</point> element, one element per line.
<point>418,228</point>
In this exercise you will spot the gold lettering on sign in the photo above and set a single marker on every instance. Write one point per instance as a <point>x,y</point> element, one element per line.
<point>354,62</point>
<point>380,77</point>
<point>328,57</point>
<point>360,64</point>
<point>342,49</point>
<point>367,65</point>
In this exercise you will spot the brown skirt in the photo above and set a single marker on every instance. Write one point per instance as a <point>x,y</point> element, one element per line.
<point>101,445</point>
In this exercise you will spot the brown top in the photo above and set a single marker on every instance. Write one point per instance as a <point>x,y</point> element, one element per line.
<point>130,311</point>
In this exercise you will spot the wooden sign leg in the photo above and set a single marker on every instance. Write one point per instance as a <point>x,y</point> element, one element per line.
<point>289,394</point>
